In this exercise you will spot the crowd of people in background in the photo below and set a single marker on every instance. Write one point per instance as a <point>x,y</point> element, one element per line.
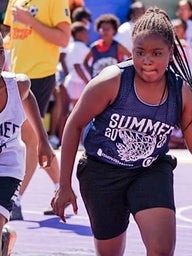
<point>50,31</point>
<point>79,61</point>
<point>64,62</point>
<point>101,49</point>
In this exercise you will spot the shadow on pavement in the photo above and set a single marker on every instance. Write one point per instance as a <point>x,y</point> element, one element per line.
<point>56,223</point>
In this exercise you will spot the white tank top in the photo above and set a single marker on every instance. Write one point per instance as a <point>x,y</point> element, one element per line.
<point>12,148</point>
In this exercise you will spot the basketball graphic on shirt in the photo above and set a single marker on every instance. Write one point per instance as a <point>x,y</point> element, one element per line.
<point>135,145</point>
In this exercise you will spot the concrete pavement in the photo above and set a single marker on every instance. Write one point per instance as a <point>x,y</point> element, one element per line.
<point>40,235</point>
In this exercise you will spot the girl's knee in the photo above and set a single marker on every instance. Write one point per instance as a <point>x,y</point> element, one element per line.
<point>111,247</point>
<point>159,249</point>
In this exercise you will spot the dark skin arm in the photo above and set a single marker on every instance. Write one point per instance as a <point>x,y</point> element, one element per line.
<point>86,61</point>
<point>45,153</point>
<point>63,63</point>
<point>58,35</point>
<point>104,87</point>
<point>122,51</point>
<point>81,73</point>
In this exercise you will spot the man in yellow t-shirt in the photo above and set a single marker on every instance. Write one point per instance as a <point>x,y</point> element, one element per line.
<point>37,30</point>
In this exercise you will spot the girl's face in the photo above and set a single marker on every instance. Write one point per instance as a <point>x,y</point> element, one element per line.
<point>2,55</point>
<point>184,12</point>
<point>180,31</point>
<point>83,36</point>
<point>151,56</point>
<point>106,31</point>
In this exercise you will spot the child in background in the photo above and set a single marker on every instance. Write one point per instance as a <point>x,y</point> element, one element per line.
<point>73,4</point>
<point>105,51</point>
<point>82,14</point>
<point>180,27</point>
<point>17,103</point>
<point>60,106</point>
<point>59,103</point>
<point>124,31</point>
<point>77,49</point>
<point>184,12</point>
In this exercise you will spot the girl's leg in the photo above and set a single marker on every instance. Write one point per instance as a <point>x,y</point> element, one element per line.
<point>111,247</point>
<point>2,223</point>
<point>158,230</point>
<point>65,109</point>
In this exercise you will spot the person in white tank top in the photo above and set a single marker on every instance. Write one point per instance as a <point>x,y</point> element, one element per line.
<point>17,103</point>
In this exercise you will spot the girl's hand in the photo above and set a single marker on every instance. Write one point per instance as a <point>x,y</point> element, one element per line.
<point>63,197</point>
<point>45,154</point>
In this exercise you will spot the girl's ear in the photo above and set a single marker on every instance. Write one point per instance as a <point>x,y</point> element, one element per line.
<point>171,57</point>
<point>171,54</point>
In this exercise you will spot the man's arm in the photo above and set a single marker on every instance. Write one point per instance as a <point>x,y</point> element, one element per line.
<point>58,35</point>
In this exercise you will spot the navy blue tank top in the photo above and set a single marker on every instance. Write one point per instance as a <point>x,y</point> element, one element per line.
<point>104,58</point>
<point>131,133</point>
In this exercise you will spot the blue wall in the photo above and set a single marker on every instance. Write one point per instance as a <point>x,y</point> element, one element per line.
<point>98,7</point>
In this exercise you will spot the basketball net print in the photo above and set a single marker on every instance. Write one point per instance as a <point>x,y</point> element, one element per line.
<point>135,145</point>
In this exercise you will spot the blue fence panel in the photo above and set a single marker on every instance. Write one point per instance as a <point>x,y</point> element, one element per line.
<point>98,7</point>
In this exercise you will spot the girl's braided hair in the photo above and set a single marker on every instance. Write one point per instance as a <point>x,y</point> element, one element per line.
<point>156,21</point>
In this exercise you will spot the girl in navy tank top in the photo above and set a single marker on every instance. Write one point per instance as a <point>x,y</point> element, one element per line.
<point>129,111</point>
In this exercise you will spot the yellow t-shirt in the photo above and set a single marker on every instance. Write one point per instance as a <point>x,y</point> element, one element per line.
<point>30,53</point>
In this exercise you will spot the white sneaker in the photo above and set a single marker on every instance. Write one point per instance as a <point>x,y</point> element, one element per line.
<point>8,240</point>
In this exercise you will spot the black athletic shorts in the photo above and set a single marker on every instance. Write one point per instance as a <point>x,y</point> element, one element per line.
<point>111,193</point>
<point>42,88</point>
<point>9,188</point>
